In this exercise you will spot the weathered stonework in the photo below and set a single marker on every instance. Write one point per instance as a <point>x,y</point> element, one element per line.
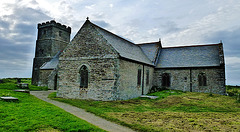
<point>128,77</point>
<point>110,77</point>
<point>44,77</point>
<point>48,78</point>
<point>103,75</point>
<point>100,65</point>
<point>52,37</point>
<point>89,49</point>
<point>186,79</point>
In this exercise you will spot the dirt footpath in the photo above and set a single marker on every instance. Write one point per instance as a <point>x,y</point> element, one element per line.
<point>81,113</point>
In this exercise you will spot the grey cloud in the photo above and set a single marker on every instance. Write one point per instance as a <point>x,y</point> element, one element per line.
<point>170,27</point>
<point>231,41</point>
<point>102,24</point>
<point>17,43</point>
<point>4,24</point>
<point>25,29</point>
<point>10,51</point>
<point>29,15</point>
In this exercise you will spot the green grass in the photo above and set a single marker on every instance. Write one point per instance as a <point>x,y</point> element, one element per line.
<point>172,111</point>
<point>11,83</point>
<point>33,114</point>
<point>233,90</point>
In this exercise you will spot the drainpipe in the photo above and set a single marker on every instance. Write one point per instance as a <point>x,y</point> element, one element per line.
<point>143,81</point>
<point>190,80</point>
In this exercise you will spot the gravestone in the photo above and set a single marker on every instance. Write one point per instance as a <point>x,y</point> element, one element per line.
<point>9,99</point>
<point>147,96</point>
<point>22,90</point>
<point>23,85</point>
<point>18,80</point>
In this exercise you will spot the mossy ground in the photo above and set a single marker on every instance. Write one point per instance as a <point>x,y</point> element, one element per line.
<point>172,111</point>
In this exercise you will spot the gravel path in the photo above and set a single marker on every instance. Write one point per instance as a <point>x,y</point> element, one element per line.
<point>81,113</point>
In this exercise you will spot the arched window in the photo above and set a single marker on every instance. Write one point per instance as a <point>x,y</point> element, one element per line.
<point>202,80</point>
<point>147,77</point>
<point>165,80</point>
<point>83,77</point>
<point>139,77</point>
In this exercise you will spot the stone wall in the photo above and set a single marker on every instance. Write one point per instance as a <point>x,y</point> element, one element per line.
<point>52,80</point>
<point>180,79</point>
<point>52,37</point>
<point>89,48</point>
<point>47,78</point>
<point>44,77</point>
<point>102,79</point>
<point>128,79</point>
<point>37,63</point>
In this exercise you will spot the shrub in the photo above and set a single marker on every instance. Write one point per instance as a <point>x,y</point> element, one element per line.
<point>156,89</point>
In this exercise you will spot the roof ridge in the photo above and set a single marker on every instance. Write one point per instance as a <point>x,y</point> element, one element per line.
<point>111,33</point>
<point>148,43</point>
<point>199,45</point>
<point>125,53</point>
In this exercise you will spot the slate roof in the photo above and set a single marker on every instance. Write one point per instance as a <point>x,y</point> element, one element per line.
<point>189,56</point>
<point>152,50</point>
<point>153,53</point>
<point>125,48</point>
<point>52,64</point>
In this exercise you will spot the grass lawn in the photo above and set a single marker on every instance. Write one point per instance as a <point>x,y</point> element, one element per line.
<point>172,111</point>
<point>11,83</point>
<point>33,114</point>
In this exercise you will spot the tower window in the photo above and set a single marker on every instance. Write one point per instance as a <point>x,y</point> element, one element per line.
<point>202,79</point>
<point>44,32</point>
<point>166,80</point>
<point>83,77</point>
<point>60,33</point>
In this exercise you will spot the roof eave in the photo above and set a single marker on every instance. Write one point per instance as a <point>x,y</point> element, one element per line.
<point>187,67</point>
<point>125,58</point>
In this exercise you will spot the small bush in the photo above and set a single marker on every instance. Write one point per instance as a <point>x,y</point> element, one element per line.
<point>156,89</point>
<point>233,91</point>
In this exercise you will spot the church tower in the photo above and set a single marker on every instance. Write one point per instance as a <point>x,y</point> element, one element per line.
<point>52,38</point>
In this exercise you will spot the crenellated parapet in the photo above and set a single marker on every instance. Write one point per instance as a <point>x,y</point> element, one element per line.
<point>55,24</point>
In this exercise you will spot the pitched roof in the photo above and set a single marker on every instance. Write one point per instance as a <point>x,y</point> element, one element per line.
<point>52,64</point>
<point>151,50</point>
<point>189,56</point>
<point>125,48</point>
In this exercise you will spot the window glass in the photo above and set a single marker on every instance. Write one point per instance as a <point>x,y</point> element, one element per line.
<point>83,77</point>
<point>139,77</point>
<point>166,80</point>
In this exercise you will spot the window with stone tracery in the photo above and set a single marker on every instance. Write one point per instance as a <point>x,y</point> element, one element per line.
<point>202,79</point>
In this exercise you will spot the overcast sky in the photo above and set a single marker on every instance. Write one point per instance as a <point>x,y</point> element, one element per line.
<point>176,22</point>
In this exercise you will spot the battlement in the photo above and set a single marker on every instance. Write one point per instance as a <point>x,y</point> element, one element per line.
<point>55,24</point>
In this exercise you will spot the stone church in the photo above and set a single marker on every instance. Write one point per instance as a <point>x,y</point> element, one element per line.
<point>97,64</point>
